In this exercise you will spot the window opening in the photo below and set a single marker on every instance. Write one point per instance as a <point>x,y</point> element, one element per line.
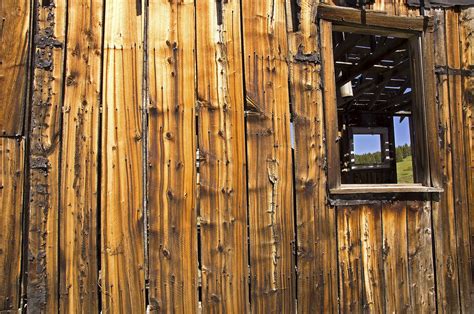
<point>373,75</point>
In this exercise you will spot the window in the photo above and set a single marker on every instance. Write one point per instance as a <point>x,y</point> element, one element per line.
<point>378,115</point>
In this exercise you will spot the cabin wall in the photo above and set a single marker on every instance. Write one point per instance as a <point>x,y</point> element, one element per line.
<point>146,163</point>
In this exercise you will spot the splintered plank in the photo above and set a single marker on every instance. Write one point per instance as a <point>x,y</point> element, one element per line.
<point>371,256</point>
<point>78,200</point>
<point>122,239</point>
<point>350,272</point>
<point>42,286</point>
<point>420,257</point>
<point>395,257</point>
<point>443,211</point>
<point>459,163</point>
<point>14,29</point>
<point>222,172</point>
<point>315,220</point>
<point>172,157</point>
<point>11,207</point>
<point>270,192</point>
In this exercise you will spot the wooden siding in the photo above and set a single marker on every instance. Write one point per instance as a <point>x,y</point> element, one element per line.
<point>11,207</point>
<point>148,164</point>
<point>14,50</point>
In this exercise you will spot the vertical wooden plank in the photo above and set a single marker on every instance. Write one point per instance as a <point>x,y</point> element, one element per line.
<point>330,105</point>
<point>222,170</point>
<point>447,291</point>
<point>371,257</point>
<point>172,157</point>
<point>420,257</point>
<point>395,259</point>
<point>11,207</point>
<point>43,284</point>
<point>315,221</point>
<point>350,272</point>
<point>467,61</point>
<point>122,239</point>
<point>14,29</point>
<point>270,180</point>
<point>79,198</point>
<point>458,159</point>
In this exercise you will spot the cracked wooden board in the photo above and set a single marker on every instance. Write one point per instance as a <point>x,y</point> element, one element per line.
<point>270,184</point>
<point>11,207</point>
<point>122,230</point>
<point>79,186</point>
<point>45,134</point>
<point>222,165</point>
<point>172,157</point>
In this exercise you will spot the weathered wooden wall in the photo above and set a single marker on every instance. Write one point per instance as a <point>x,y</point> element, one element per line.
<point>146,163</point>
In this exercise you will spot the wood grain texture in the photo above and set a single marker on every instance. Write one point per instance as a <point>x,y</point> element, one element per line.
<point>45,134</point>
<point>350,266</point>
<point>122,237</point>
<point>172,157</point>
<point>459,163</point>
<point>270,184</point>
<point>395,257</point>
<point>315,221</point>
<point>420,257</point>
<point>14,47</point>
<point>11,207</point>
<point>466,20</point>
<point>371,258</point>
<point>222,160</point>
<point>443,211</point>
<point>79,193</point>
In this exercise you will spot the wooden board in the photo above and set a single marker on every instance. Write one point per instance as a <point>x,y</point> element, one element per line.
<point>349,260</point>
<point>222,160</point>
<point>370,221</point>
<point>172,157</point>
<point>315,221</point>
<point>45,136</point>
<point>420,257</point>
<point>395,258</point>
<point>14,50</point>
<point>459,163</point>
<point>122,230</point>
<point>79,185</point>
<point>11,207</point>
<point>443,211</point>
<point>270,184</point>
<point>466,20</point>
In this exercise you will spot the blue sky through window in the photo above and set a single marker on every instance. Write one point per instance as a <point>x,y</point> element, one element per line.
<point>367,143</point>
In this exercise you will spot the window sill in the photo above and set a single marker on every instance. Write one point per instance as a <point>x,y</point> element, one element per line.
<point>349,189</point>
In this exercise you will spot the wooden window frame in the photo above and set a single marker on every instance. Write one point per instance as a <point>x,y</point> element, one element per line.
<point>384,147</point>
<point>418,31</point>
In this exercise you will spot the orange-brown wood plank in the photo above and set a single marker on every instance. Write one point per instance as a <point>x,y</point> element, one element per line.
<point>315,220</point>
<point>461,206</point>
<point>349,259</point>
<point>122,237</point>
<point>395,257</point>
<point>420,257</point>
<point>270,190</point>
<point>11,207</point>
<point>222,168</point>
<point>14,47</point>
<point>370,221</point>
<point>79,193</point>
<point>172,157</point>
<point>46,106</point>
<point>444,230</point>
